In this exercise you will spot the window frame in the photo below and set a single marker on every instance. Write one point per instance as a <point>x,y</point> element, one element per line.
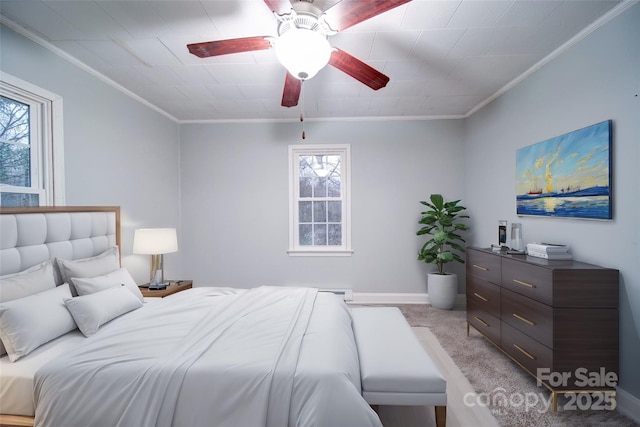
<point>46,140</point>
<point>295,151</point>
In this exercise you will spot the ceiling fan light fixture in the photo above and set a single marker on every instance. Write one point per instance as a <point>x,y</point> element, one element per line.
<point>303,52</point>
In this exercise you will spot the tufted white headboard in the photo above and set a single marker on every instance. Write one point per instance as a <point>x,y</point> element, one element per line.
<point>29,236</point>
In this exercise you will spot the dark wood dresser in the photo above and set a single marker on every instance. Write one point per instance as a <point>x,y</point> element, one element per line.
<point>552,317</point>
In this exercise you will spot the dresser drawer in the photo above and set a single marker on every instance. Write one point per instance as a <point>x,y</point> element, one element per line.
<point>484,322</point>
<point>485,294</point>
<point>525,350</point>
<point>528,316</point>
<point>484,265</point>
<point>529,280</point>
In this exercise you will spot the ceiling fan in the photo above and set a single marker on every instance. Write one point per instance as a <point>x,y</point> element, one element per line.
<point>302,45</point>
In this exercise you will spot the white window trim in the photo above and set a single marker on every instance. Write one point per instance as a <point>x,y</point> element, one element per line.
<point>336,149</point>
<point>51,164</point>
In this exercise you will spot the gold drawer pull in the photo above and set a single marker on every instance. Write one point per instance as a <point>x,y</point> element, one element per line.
<point>527,321</point>
<point>524,352</point>
<point>520,282</point>
<point>481,321</point>
<point>481,297</point>
<point>479,267</point>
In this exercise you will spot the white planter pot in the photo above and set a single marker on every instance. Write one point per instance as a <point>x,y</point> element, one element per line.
<point>442,290</point>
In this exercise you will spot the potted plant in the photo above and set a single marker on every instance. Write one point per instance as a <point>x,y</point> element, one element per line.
<point>442,222</point>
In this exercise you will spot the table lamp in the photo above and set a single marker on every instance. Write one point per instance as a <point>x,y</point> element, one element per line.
<point>155,242</point>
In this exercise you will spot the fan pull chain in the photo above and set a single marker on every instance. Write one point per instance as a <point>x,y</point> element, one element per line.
<point>304,136</point>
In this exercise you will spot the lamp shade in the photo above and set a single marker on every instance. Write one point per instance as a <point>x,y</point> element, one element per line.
<point>154,241</point>
<point>303,52</point>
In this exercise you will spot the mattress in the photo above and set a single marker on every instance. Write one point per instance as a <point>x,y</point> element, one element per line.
<point>16,379</point>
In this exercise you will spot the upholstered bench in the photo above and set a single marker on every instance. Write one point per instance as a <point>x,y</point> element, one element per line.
<point>394,367</point>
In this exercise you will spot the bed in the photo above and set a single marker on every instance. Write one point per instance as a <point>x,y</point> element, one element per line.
<point>103,355</point>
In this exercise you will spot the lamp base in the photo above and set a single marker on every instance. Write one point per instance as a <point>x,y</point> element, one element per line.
<point>157,269</point>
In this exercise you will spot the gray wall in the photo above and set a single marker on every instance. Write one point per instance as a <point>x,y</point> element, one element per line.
<point>597,79</point>
<point>235,202</point>
<point>117,151</point>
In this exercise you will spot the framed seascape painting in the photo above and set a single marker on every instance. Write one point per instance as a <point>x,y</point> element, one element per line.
<point>567,176</point>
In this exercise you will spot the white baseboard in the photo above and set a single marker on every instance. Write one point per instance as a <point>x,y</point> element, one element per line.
<point>403,298</point>
<point>388,298</point>
<point>628,404</point>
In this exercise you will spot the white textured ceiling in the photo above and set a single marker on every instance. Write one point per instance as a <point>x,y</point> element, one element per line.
<point>444,58</point>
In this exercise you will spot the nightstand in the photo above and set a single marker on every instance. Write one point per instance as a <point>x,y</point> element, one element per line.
<point>175,286</point>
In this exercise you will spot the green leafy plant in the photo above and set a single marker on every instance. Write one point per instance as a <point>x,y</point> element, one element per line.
<point>442,222</point>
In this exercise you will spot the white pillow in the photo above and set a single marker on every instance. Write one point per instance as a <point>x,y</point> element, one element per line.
<point>86,286</point>
<point>94,310</point>
<point>28,282</point>
<point>27,323</point>
<point>104,263</point>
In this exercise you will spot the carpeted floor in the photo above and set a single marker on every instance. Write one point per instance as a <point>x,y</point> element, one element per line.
<point>511,394</point>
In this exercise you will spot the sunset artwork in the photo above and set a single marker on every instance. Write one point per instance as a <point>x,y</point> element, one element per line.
<point>567,176</point>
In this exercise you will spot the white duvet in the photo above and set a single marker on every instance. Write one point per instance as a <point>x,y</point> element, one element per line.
<point>213,357</point>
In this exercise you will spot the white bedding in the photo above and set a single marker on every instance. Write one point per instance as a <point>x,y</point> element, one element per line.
<point>206,356</point>
<point>16,378</point>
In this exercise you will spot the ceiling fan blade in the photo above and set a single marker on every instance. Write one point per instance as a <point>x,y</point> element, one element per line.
<point>358,69</point>
<point>291,93</point>
<point>224,47</point>
<point>348,13</point>
<point>279,7</point>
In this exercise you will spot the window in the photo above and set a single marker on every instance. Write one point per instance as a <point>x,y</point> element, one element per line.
<point>31,151</point>
<point>319,200</point>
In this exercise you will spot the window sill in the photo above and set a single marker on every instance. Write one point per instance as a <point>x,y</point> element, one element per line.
<point>320,252</point>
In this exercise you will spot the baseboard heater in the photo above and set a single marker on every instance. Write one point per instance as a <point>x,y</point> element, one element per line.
<point>346,294</point>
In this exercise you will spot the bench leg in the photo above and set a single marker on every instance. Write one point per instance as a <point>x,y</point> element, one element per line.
<point>441,416</point>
